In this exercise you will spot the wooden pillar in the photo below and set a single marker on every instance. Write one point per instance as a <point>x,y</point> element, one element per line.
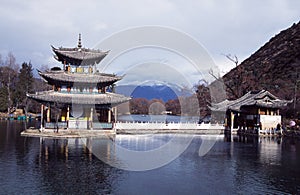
<point>232,120</point>
<point>115,113</point>
<point>68,116</point>
<point>91,119</point>
<point>109,116</point>
<point>42,114</point>
<point>48,114</point>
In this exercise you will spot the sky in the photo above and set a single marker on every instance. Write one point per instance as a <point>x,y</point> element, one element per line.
<point>236,27</point>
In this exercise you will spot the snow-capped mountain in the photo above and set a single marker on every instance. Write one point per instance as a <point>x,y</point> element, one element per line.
<point>154,91</point>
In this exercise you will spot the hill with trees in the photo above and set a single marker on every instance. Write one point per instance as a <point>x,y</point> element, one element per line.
<point>274,67</point>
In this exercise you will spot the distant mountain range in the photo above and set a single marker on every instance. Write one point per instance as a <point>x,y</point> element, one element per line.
<point>163,92</point>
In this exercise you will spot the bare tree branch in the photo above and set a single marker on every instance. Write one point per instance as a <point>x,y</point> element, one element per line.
<point>234,59</point>
<point>211,72</point>
<point>218,78</point>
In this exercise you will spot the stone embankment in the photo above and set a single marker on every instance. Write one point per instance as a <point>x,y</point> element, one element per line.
<point>184,128</point>
<point>130,128</point>
<point>70,133</point>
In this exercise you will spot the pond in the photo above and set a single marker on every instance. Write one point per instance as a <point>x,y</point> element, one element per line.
<point>233,165</point>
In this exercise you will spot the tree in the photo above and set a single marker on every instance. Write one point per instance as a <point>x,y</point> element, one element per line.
<point>11,62</point>
<point>173,106</point>
<point>156,106</point>
<point>1,61</point>
<point>139,106</point>
<point>204,97</point>
<point>24,85</point>
<point>8,78</point>
<point>234,86</point>
<point>8,74</point>
<point>3,99</point>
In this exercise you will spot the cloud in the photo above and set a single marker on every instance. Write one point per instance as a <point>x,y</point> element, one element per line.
<point>234,26</point>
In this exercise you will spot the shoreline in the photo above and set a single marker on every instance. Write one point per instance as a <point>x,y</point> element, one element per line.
<point>77,133</point>
<point>176,131</point>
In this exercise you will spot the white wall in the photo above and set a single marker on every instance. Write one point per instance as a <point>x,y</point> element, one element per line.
<point>269,121</point>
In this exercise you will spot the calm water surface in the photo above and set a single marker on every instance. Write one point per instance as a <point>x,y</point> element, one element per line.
<point>236,165</point>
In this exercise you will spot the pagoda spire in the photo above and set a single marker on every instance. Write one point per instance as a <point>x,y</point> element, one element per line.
<point>79,41</point>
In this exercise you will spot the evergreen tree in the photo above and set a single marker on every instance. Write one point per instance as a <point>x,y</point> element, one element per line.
<point>3,99</point>
<point>24,85</point>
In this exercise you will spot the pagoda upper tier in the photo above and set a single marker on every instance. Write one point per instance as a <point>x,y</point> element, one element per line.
<point>78,56</point>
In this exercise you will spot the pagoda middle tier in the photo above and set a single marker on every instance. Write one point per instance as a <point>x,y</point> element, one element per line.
<point>60,77</point>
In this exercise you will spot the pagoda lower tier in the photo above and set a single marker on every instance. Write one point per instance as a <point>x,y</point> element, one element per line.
<point>78,110</point>
<point>54,97</point>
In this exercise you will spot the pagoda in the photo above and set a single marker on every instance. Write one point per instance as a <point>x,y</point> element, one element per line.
<point>81,97</point>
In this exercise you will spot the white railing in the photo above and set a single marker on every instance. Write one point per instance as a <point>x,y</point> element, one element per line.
<point>161,125</point>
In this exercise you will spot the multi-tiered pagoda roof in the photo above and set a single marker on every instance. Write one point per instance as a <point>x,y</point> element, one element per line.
<point>79,80</point>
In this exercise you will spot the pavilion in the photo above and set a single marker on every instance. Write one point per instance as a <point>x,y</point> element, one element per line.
<point>254,110</point>
<point>79,92</point>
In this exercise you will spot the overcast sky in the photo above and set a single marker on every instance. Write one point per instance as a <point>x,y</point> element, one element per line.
<point>238,27</point>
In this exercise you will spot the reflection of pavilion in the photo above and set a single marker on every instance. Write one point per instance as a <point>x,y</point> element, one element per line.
<point>68,166</point>
<point>63,148</point>
<point>256,109</point>
<point>79,91</point>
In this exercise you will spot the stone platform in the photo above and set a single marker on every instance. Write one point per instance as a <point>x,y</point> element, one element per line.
<point>70,133</point>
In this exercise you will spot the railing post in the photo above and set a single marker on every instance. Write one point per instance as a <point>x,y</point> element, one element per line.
<point>68,116</point>
<point>42,116</point>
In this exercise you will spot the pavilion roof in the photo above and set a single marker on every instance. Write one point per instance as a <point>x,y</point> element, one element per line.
<point>78,55</point>
<point>61,76</point>
<point>260,98</point>
<point>83,99</point>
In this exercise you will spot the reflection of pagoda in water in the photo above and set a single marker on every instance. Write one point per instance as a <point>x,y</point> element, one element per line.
<point>79,91</point>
